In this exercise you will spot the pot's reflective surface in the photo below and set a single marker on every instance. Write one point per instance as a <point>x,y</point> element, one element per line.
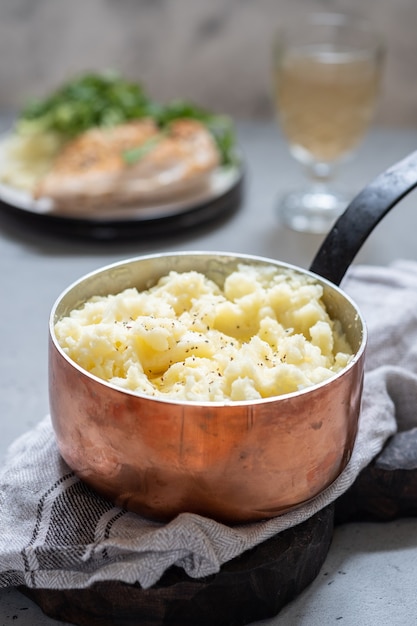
<point>233,462</point>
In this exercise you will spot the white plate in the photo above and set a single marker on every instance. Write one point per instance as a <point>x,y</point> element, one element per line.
<point>216,199</point>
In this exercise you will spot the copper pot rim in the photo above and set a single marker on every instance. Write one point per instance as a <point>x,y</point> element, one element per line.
<point>190,403</point>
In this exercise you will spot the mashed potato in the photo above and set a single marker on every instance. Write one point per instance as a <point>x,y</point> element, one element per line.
<point>265,333</point>
<point>25,159</point>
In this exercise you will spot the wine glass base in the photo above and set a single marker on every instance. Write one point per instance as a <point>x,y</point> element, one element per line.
<point>312,211</point>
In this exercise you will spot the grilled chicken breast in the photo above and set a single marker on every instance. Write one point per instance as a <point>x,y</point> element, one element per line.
<point>93,169</point>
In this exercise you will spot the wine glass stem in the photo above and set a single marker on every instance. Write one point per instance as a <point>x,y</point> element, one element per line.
<point>321,173</point>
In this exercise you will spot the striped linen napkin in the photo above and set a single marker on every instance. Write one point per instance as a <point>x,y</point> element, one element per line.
<point>56,533</point>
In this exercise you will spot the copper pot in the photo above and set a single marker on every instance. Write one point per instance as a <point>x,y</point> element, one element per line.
<point>232,462</point>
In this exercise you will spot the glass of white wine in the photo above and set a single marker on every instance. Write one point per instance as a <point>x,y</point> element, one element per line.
<point>327,71</point>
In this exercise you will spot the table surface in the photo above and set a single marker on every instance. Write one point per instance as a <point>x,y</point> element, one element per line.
<point>369,575</point>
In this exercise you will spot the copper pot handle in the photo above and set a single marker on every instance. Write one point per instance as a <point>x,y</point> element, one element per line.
<point>366,210</point>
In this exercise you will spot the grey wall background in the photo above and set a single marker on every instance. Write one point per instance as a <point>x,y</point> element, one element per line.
<point>214,52</point>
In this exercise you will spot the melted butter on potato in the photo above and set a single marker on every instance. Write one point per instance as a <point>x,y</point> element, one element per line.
<point>265,333</point>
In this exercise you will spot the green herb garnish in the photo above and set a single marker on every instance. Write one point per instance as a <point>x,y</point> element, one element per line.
<point>135,154</point>
<point>87,101</point>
